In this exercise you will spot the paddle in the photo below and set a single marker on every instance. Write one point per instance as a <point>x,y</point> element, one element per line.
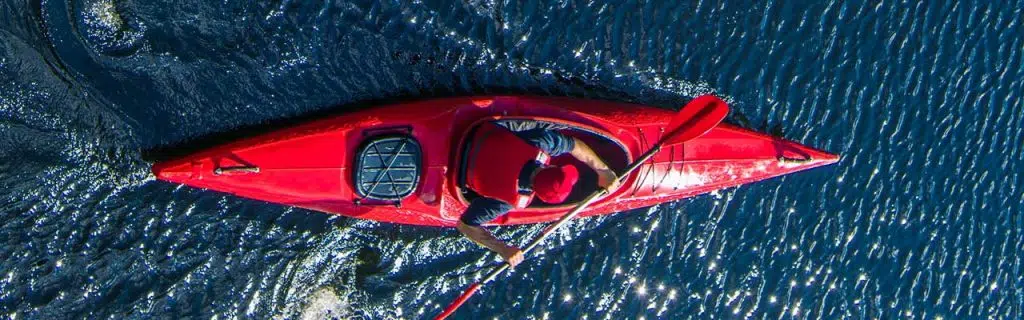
<point>693,120</point>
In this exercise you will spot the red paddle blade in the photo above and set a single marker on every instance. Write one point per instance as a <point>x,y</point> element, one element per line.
<point>695,119</point>
<point>458,302</point>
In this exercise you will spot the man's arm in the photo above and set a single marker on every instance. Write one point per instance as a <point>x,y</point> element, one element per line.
<point>585,154</point>
<point>605,176</point>
<point>484,238</point>
<point>482,210</point>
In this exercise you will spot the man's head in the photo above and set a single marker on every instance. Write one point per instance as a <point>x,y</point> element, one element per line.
<point>553,184</point>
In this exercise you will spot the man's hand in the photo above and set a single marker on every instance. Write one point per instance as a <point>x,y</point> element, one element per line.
<point>512,255</point>
<point>607,179</point>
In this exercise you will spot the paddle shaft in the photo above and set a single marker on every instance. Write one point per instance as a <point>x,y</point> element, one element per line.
<point>548,231</point>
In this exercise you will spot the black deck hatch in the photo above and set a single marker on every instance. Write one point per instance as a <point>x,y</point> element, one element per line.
<point>387,168</point>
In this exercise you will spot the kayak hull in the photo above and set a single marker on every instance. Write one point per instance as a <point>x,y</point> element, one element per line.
<point>310,165</point>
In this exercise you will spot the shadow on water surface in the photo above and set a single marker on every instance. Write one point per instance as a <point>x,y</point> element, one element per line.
<point>546,83</point>
<point>171,150</point>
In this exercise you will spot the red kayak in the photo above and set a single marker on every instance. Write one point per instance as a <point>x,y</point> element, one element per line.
<point>405,163</point>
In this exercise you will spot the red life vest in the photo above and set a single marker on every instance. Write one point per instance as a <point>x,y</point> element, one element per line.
<point>495,159</point>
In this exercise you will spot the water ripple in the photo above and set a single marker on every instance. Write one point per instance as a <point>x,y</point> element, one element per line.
<point>917,221</point>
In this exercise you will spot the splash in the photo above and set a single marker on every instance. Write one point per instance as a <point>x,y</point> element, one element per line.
<point>326,304</point>
<point>107,30</point>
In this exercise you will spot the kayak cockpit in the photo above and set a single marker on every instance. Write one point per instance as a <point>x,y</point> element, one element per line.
<point>611,151</point>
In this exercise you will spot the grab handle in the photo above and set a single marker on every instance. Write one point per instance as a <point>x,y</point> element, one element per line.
<point>241,169</point>
<point>406,129</point>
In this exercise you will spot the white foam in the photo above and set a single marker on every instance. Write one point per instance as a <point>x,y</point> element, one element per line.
<point>324,303</point>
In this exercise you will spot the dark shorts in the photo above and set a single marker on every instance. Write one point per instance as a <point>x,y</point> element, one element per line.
<point>482,210</point>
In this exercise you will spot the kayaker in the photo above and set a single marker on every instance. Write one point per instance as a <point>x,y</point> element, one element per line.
<point>508,166</point>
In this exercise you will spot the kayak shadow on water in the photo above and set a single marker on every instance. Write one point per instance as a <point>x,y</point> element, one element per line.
<point>166,150</point>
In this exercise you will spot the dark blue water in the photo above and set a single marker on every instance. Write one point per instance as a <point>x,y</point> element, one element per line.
<point>921,218</point>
